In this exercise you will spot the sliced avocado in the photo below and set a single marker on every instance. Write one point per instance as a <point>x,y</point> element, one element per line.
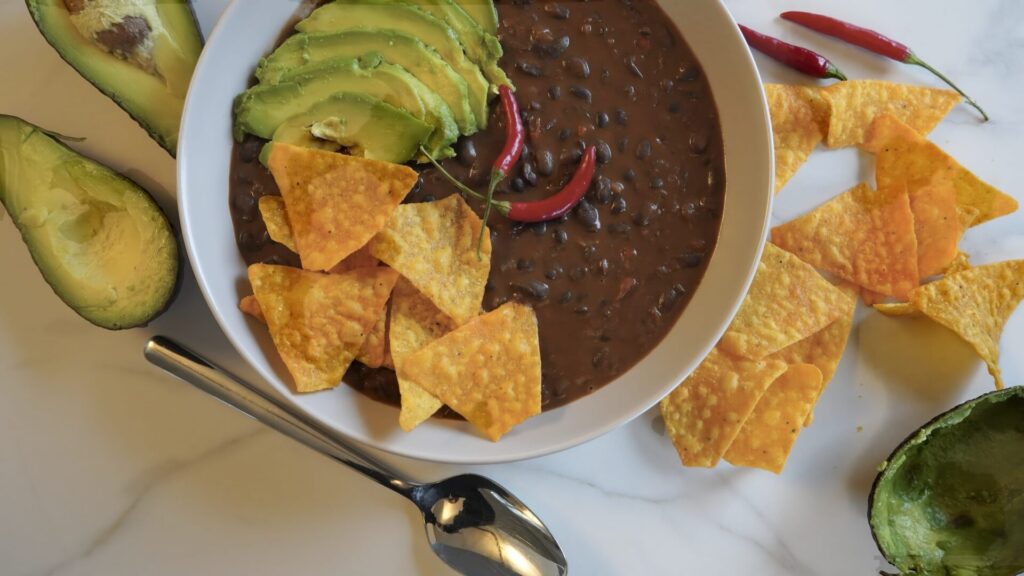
<point>99,239</point>
<point>366,126</point>
<point>483,13</point>
<point>335,18</point>
<point>396,48</point>
<point>950,499</point>
<point>262,108</point>
<point>139,53</point>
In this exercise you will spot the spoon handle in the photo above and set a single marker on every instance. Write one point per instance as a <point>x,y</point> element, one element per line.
<point>253,402</point>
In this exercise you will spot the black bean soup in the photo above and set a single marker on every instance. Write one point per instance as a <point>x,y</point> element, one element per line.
<point>610,279</point>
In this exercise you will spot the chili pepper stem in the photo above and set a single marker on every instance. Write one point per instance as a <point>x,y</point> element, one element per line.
<point>500,206</point>
<point>496,177</point>
<point>913,59</point>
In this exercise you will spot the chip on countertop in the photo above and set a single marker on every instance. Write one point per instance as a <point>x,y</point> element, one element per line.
<point>319,321</point>
<point>487,370</point>
<point>863,236</point>
<point>335,202</point>
<point>825,347</point>
<point>275,217</point>
<point>936,225</point>
<point>896,309</point>
<point>976,303</point>
<point>901,154</point>
<point>434,246</point>
<point>767,437</point>
<point>415,322</point>
<point>856,103</point>
<point>704,414</point>
<point>787,302</point>
<point>795,127</point>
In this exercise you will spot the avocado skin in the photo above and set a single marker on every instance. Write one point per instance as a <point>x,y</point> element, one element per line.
<point>166,137</point>
<point>168,290</point>
<point>992,409</point>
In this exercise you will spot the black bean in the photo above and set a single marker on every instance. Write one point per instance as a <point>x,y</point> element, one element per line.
<point>556,10</point>
<point>571,156</point>
<point>550,124</point>
<point>252,242</point>
<point>602,190</point>
<point>643,150</point>
<point>588,215</point>
<point>529,174</point>
<point>600,357</point>
<point>619,228</point>
<point>657,182</point>
<point>604,152</point>
<point>566,297</point>
<point>578,273</point>
<point>578,67</point>
<point>602,267</point>
<point>535,289</point>
<point>674,108</point>
<point>668,300</point>
<point>688,73</point>
<point>561,236</point>
<point>552,49</point>
<point>250,149</point>
<point>555,92</point>
<point>690,259</point>
<point>540,228</point>
<point>630,175</point>
<point>524,265</point>
<point>631,92</point>
<point>535,106</point>
<point>530,69</point>
<point>699,142</point>
<point>621,117</point>
<point>545,163</point>
<point>466,152</point>
<point>606,75</point>
<point>555,272</point>
<point>618,205</point>
<point>518,184</point>
<point>623,144</point>
<point>245,206</point>
<point>582,93</point>
<point>603,120</point>
<point>590,253</point>
<point>582,310</point>
<point>633,68</point>
<point>564,134</point>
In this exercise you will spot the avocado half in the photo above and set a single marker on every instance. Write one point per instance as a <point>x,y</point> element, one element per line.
<point>140,53</point>
<point>98,238</point>
<point>950,498</point>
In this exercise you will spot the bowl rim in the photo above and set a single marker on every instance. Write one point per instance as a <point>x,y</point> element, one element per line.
<point>498,455</point>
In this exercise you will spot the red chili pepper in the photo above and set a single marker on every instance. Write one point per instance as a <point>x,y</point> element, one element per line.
<point>797,58</point>
<point>873,41</point>
<point>515,139</point>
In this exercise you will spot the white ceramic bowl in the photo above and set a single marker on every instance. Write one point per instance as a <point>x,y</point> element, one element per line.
<point>248,30</point>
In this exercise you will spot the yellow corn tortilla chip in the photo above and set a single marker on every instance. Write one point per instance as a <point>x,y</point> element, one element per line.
<point>434,246</point>
<point>705,413</point>
<point>870,297</point>
<point>795,127</point>
<point>335,203</point>
<point>901,154</point>
<point>787,302</point>
<point>372,352</point>
<point>415,322</point>
<point>276,219</point>
<point>976,303</point>
<point>856,103</point>
<point>359,259</point>
<point>896,309</point>
<point>249,305</point>
<point>767,437</point>
<point>319,321</point>
<point>960,263</point>
<point>863,236</point>
<point>936,225</point>
<point>487,370</point>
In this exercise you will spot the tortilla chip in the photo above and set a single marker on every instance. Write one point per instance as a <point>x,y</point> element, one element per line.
<point>787,302</point>
<point>249,305</point>
<point>856,103</point>
<point>373,350</point>
<point>896,309</point>
<point>795,127</point>
<point>976,304</point>
<point>336,203</point>
<point>936,225</point>
<point>824,348</point>
<point>487,370</point>
<point>359,259</point>
<point>434,246</point>
<point>767,437</point>
<point>319,321</point>
<point>901,154</point>
<point>276,219</point>
<point>862,236</point>
<point>415,322</point>
<point>960,263</point>
<point>870,297</point>
<point>705,413</point>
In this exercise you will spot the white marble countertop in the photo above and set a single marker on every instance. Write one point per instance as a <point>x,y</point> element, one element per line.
<point>108,467</point>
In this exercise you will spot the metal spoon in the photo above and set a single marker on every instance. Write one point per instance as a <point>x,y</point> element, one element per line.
<point>473,524</point>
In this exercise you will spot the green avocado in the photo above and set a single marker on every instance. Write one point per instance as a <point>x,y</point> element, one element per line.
<point>950,499</point>
<point>483,13</point>
<point>263,108</point>
<point>100,240</point>
<point>139,53</point>
<point>395,48</point>
<point>366,126</point>
<point>406,19</point>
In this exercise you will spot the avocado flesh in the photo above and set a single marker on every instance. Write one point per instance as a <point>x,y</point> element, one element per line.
<point>950,499</point>
<point>99,240</point>
<point>154,99</point>
<point>263,108</point>
<point>483,12</point>
<point>366,126</point>
<point>395,48</point>
<point>405,19</point>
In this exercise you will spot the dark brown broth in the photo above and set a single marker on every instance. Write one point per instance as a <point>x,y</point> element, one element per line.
<point>609,280</point>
